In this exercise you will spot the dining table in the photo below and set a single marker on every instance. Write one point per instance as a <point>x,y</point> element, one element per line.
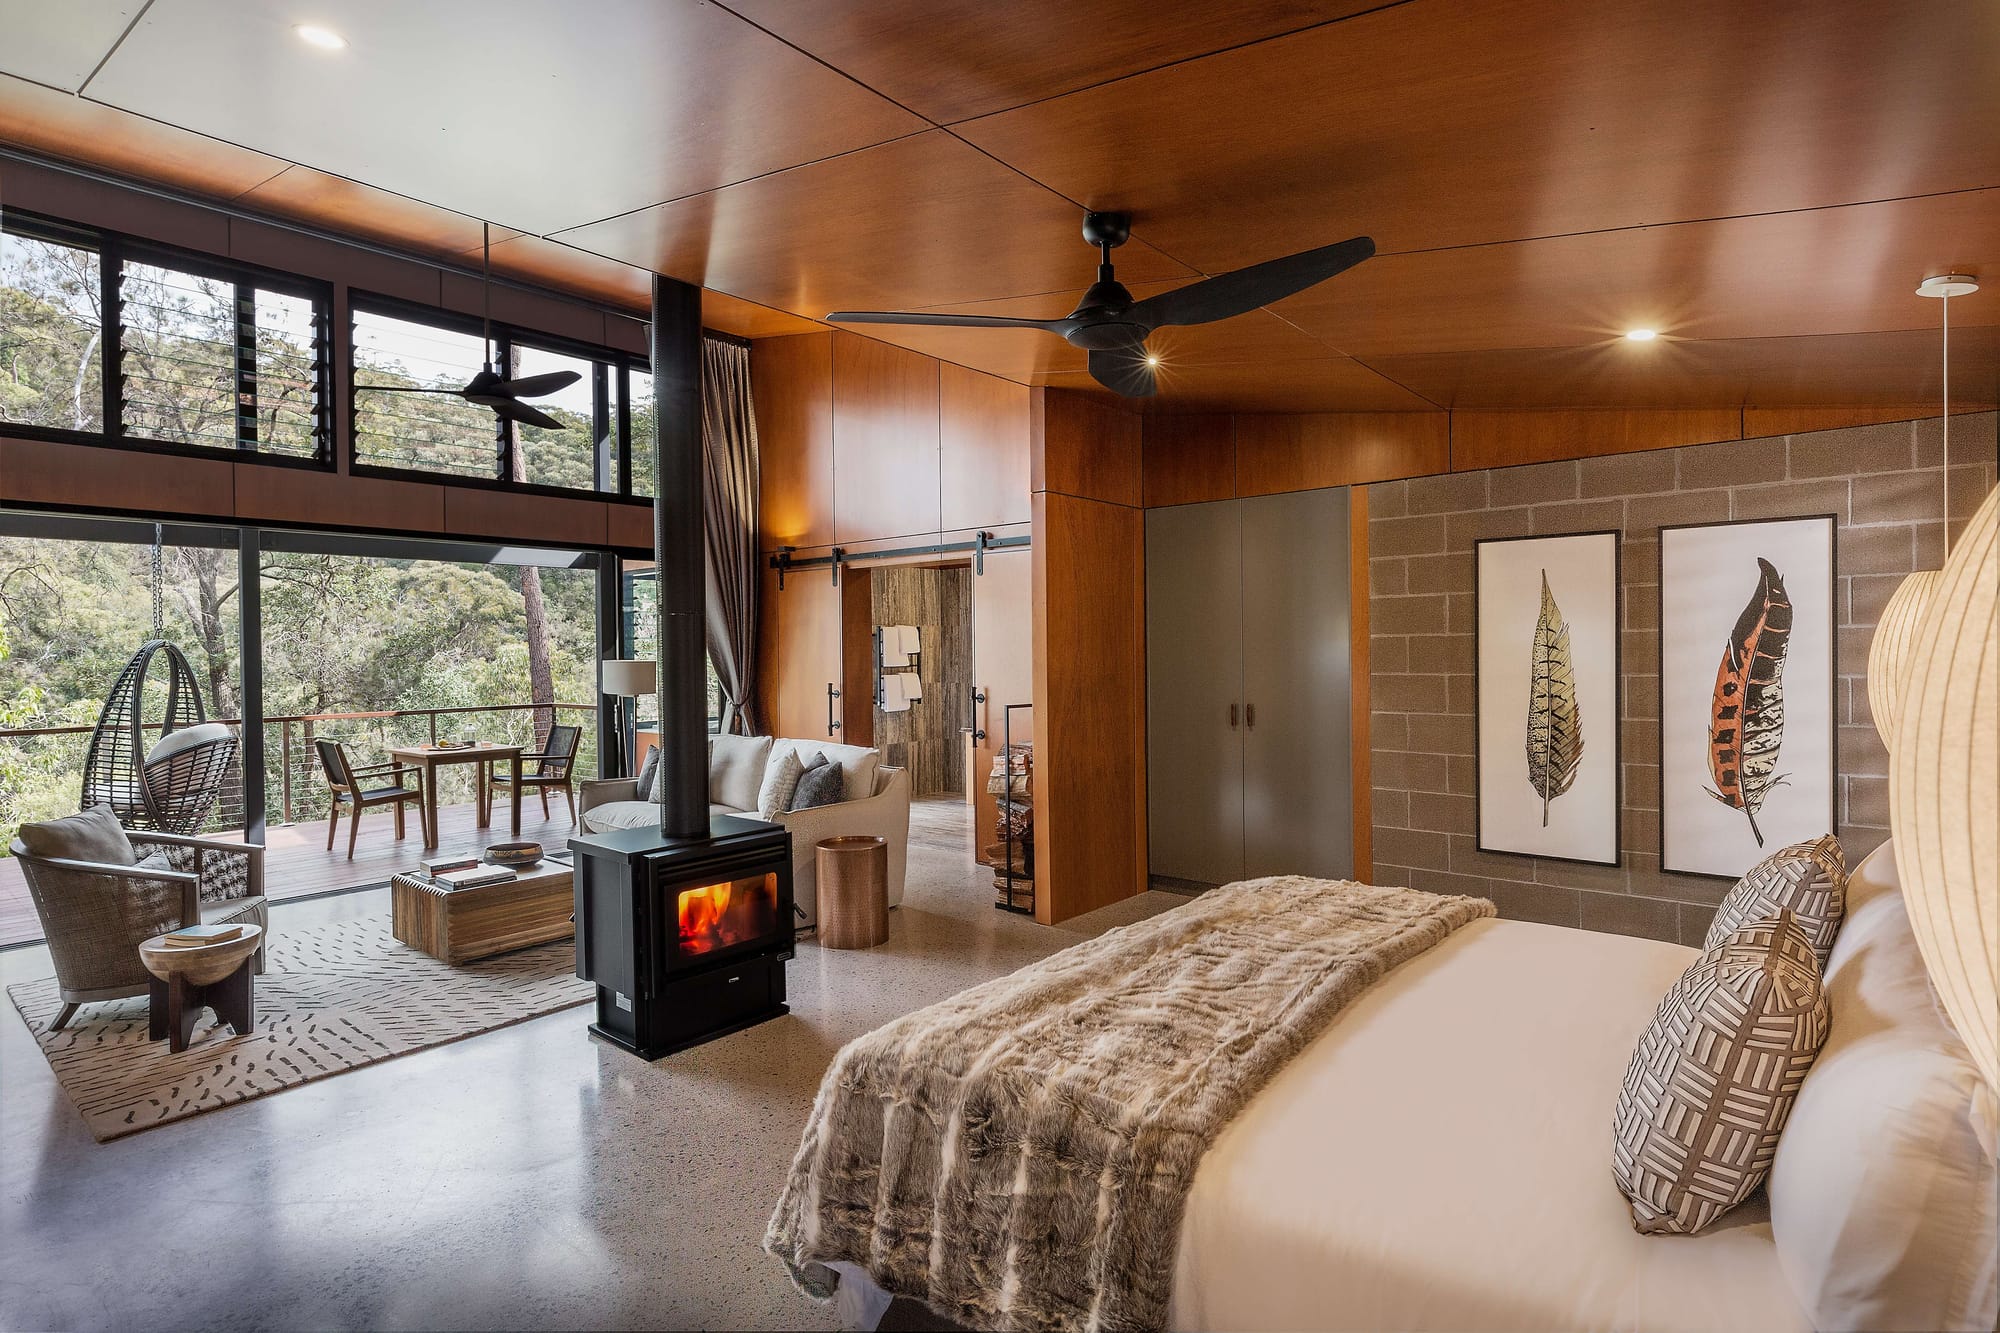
<point>431,757</point>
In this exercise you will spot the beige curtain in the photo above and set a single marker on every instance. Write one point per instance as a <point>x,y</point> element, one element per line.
<point>729,506</point>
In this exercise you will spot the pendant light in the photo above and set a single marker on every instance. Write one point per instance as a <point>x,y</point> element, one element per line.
<point>1889,651</point>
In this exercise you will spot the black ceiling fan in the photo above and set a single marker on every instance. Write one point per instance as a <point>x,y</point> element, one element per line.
<point>1113,327</point>
<point>488,388</point>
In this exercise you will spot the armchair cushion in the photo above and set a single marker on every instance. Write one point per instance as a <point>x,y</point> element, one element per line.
<point>92,835</point>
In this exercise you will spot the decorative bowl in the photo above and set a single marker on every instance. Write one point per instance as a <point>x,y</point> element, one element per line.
<point>514,853</point>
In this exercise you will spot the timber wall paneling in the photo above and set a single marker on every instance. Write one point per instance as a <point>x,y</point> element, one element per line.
<point>1089,564</point>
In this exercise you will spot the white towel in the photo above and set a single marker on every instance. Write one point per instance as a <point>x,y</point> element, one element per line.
<point>913,689</point>
<point>908,642</point>
<point>894,700</point>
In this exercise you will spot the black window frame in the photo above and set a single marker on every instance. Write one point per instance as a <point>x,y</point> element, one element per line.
<point>114,249</point>
<point>611,475</point>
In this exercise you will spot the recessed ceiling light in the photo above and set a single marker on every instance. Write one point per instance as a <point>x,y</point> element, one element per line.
<point>1152,358</point>
<point>326,39</point>
<point>1641,335</point>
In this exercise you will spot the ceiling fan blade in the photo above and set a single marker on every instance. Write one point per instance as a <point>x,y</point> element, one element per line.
<point>1229,294</point>
<point>404,388</point>
<point>534,386</point>
<point>944,321</point>
<point>1125,371</point>
<point>526,415</point>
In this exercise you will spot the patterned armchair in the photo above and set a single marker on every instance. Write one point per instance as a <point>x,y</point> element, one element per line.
<point>96,906</point>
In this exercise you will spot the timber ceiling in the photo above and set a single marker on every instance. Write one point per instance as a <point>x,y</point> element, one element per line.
<point>1764,183</point>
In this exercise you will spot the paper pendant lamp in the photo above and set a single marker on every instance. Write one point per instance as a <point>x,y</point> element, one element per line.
<point>1889,651</point>
<point>1944,787</point>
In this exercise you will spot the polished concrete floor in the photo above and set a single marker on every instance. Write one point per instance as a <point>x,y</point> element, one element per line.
<point>528,1178</point>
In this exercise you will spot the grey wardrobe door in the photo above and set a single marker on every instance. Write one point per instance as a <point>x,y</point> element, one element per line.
<point>1194,677</point>
<point>1298,784</point>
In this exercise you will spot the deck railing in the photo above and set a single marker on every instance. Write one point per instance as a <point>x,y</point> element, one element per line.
<point>294,786</point>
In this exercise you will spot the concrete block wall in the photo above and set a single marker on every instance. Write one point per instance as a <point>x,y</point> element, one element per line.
<point>1886,485</point>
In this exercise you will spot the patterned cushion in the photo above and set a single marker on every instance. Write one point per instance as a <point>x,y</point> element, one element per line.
<point>821,784</point>
<point>1807,879</point>
<point>781,782</point>
<point>1715,1076</point>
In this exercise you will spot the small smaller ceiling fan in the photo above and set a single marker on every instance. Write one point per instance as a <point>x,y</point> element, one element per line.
<point>1113,327</point>
<point>487,388</point>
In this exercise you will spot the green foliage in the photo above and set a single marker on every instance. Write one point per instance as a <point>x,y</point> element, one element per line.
<point>51,363</point>
<point>342,634</point>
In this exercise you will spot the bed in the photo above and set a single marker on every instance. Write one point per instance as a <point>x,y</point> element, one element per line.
<point>1485,1166</point>
<point>1438,1156</point>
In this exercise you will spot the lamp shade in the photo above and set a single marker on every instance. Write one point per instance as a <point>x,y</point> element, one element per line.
<point>1889,651</point>
<point>1944,787</point>
<point>628,679</point>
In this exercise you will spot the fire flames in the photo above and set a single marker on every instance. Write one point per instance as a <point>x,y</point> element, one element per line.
<point>716,916</point>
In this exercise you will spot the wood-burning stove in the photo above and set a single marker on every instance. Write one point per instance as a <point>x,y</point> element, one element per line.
<point>684,927</point>
<point>685,938</point>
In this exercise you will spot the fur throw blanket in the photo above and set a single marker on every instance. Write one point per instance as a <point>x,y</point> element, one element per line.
<point>1018,1156</point>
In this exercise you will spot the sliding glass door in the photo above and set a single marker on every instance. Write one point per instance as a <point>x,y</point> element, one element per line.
<point>373,645</point>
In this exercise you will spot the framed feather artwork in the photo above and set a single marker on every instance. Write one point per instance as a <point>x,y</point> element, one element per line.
<point>1547,654</point>
<point>1747,719</point>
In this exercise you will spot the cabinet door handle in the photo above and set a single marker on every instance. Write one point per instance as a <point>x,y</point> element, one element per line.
<point>1232,717</point>
<point>1249,717</point>
<point>832,722</point>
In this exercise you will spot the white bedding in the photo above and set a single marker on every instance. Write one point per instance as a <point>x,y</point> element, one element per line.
<point>1441,1159</point>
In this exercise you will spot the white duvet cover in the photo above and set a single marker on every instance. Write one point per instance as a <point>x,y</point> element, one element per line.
<point>1441,1159</point>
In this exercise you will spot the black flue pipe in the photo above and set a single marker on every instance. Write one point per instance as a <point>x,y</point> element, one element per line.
<point>678,553</point>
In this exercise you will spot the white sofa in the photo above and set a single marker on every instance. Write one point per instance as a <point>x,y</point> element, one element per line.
<point>877,802</point>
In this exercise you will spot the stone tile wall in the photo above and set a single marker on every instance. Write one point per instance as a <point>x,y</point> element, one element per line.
<point>1885,484</point>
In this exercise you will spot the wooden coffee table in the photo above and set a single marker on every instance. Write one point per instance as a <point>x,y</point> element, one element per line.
<point>459,925</point>
<point>185,981</point>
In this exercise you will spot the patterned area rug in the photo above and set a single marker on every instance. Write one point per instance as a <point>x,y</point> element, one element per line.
<point>333,998</point>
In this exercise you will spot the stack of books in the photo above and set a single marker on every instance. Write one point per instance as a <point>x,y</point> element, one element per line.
<point>473,877</point>
<point>193,937</point>
<point>437,865</point>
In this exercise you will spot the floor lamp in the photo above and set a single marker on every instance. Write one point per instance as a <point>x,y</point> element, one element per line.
<point>627,680</point>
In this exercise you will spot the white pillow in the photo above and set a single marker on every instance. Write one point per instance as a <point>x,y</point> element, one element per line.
<point>857,764</point>
<point>176,742</point>
<point>1883,1188</point>
<point>736,770</point>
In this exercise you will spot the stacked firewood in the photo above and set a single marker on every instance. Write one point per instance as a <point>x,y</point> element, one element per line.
<point>1012,786</point>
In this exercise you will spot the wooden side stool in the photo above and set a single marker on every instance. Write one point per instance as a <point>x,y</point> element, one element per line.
<point>212,976</point>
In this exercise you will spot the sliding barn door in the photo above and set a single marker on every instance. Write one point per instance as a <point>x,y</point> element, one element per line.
<point>1298,795</point>
<point>1194,691</point>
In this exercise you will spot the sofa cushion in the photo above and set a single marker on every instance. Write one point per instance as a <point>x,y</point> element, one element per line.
<point>736,769</point>
<point>822,784</point>
<point>857,764</point>
<point>91,835</point>
<point>781,779</point>
<point>621,814</point>
<point>649,775</point>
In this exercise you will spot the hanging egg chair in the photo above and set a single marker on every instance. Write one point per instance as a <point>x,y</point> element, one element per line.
<point>172,784</point>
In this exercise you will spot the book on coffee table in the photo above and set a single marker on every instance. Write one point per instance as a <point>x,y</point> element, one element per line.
<point>437,865</point>
<point>474,878</point>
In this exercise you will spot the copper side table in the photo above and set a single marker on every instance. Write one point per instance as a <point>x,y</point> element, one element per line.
<point>853,877</point>
<point>211,976</point>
